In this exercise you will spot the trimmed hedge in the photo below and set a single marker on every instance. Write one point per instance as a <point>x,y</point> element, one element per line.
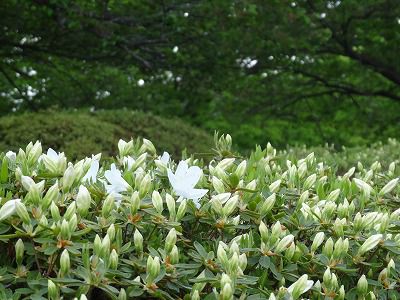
<point>80,133</point>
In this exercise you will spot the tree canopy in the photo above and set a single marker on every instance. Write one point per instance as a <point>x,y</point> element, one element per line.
<point>285,71</point>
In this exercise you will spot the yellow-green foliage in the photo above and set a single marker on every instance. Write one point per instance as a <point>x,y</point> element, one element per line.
<point>82,133</point>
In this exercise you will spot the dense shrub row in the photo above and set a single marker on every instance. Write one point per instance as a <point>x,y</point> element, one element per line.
<point>80,133</point>
<point>150,226</point>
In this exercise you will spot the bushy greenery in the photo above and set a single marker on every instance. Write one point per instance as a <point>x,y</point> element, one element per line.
<point>259,227</point>
<point>80,133</point>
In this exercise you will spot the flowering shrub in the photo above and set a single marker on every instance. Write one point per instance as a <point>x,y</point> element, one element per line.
<point>145,226</point>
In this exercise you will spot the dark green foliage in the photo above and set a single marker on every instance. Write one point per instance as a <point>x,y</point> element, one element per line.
<point>81,133</point>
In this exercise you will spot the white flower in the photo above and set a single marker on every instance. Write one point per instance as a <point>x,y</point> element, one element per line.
<point>11,155</point>
<point>128,162</point>
<point>301,286</point>
<point>165,158</point>
<point>184,180</point>
<point>8,209</point>
<point>91,174</point>
<point>55,162</point>
<point>117,183</point>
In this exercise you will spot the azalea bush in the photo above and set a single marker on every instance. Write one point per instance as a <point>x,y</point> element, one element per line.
<point>148,225</point>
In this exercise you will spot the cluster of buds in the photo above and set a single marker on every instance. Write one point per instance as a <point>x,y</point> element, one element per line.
<point>275,242</point>
<point>330,286</point>
<point>231,260</point>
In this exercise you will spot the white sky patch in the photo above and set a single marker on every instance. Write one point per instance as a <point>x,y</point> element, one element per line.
<point>175,49</point>
<point>186,14</point>
<point>322,15</point>
<point>140,82</point>
<point>102,94</point>
<point>247,62</point>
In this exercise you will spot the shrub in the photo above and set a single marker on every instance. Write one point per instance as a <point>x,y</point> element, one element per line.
<point>147,227</point>
<point>80,133</point>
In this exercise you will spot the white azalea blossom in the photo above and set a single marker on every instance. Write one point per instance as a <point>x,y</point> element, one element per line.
<point>55,162</point>
<point>128,162</point>
<point>91,174</point>
<point>184,180</point>
<point>117,183</point>
<point>8,209</point>
<point>11,155</point>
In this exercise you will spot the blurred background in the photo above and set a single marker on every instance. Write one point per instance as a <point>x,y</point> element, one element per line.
<point>81,74</point>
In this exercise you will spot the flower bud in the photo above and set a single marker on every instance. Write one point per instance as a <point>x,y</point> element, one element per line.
<point>83,201</point>
<point>138,241</point>
<point>309,182</point>
<point>65,232</point>
<point>113,260</point>
<point>157,201</point>
<point>135,202</point>
<point>68,178</point>
<point>19,251</point>
<point>284,243</point>
<point>111,232</point>
<point>145,186</point>
<point>318,240</point>
<point>290,251</point>
<point>242,261</point>
<point>108,206</point>
<point>221,255</point>
<point>218,185</point>
<point>71,210</point>
<point>174,255</point>
<point>52,290</point>
<point>171,206</point>
<point>97,245</point>
<point>181,210</point>
<point>122,295</point>
<point>105,246</point>
<point>226,293</point>
<point>230,205</point>
<point>327,250</point>
<point>274,187</point>
<point>55,212</point>
<point>333,195</point>
<point>267,205</point>
<point>65,263</point>
<point>195,295</point>
<point>51,195</point>
<point>362,285</point>
<point>301,286</point>
<point>241,169</point>
<point>149,146</point>
<point>22,212</point>
<point>370,243</point>
<point>389,187</point>
<point>124,147</point>
<point>263,231</point>
<point>170,240</point>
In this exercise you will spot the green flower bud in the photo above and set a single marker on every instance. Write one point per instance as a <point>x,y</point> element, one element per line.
<point>65,263</point>
<point>122,295</point>
<point>233,263</point>
<point>105,246</point>
<point>226,293</point>
<point>83,297</point>
<point>242,261</point>
<point>138,241</point>
<point>51,195</point>
<point>171,206</point>
<point>135,202</point>
<point>181,210</point>
<point>389,187</point>
<point>241,169</point>
<point>22,212</point>
<point>68,178</point>
<point>263,231</point>
<point>149,146</point>
<point>170,240</point>
<point>301,286</point>
<point>230,205</point>
<point>327,250</point>
<point>267,205</point>
<point>111,232</point>
<point>52,290</point>
<point>71,210</point>
<point>97,245</point>
<point>108,206</point>
<point>341,293</point>
<point>222,257</point>
<point>195,295</point>
<point>274,187</point>
<point>73,222</point>
<point>370,243</point>
<point>371,296</point>
<point>34,152</point>
<point>113,260</point>
<point>333,195</point>
<point>139,161</point>
<point>83,201</point>
<point>284,243</point>
<point>55,212</point>
<point>157,201</point>
<point>290,251</point>
<point>362,286</point>
<point>19,251</point>
<point>124,147</point>
<point>318,240</point>
<point>153,269</point>
<point>65,231</point>
<point>276,231</point>
<point>174,255</point>
<point>309,182</point>
<point>145,186</point>
<point>218,185</point>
